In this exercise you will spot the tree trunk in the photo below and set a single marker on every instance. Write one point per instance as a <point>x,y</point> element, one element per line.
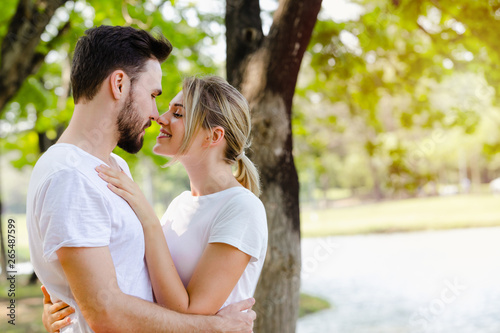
<point>19,58</point>
<point>265,69</point>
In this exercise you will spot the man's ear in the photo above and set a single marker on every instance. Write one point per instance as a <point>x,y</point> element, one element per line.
<point>118,82</point>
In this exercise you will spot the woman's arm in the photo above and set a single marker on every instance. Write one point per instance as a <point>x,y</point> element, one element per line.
<point>219,269</point>
<point>215,276</point>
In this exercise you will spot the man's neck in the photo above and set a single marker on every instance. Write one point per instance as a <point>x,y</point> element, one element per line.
<point>92,132</point>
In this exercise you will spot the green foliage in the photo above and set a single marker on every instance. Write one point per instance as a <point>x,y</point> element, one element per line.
<point>41,108</point>
<point>405,76</point>
<point>37,108</point>
<point>8,10</point>
<point>382,102</point>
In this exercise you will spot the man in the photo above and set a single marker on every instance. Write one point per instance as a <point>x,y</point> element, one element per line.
<point>86,243</point>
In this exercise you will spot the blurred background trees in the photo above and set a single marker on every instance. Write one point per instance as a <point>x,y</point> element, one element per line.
<point>399,99</point>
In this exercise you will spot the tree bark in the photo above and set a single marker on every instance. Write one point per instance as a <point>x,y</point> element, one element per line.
<point>265,69</point>
<point>19,57</point>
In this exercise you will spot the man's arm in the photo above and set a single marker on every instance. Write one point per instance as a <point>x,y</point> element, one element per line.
<point>92,278</point>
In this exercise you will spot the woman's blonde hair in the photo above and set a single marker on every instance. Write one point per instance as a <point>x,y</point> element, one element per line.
<point>211,101</point>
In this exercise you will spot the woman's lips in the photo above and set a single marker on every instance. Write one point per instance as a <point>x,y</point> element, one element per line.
<point>164,134</point>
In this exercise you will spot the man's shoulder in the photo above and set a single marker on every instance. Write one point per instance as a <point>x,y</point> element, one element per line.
<point>64,163</point>
<point>60,156</point>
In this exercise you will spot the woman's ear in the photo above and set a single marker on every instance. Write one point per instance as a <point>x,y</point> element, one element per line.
<point>118,84</point>
<point>214,137</point>
<point>217,135</point>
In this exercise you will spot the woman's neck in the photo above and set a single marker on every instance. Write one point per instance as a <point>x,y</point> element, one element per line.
<point>208,175</point>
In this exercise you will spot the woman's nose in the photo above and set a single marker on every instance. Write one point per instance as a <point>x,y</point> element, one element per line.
<point>163,119</point>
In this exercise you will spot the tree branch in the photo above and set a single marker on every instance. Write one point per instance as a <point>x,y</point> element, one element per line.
<point>293,23</point>
<point>18,53</point>
<point>243,35</point>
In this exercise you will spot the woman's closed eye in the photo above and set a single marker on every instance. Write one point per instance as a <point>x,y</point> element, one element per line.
<point>177,115</point>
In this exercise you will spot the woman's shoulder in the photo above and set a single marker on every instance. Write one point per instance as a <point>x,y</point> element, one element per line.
<point>243,206</point>
<point>243,199</point>
<point>242,223</point>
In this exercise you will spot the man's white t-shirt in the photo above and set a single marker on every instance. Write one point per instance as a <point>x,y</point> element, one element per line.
<point>234,216</point>
<point>69,205</point>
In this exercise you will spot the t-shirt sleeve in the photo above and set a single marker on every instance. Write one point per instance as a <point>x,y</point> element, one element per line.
<point>242,223</point>
<point>73,213</point>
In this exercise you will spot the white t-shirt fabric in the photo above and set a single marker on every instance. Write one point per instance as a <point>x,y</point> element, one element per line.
<point>69,205</point>
<point>234,216</point>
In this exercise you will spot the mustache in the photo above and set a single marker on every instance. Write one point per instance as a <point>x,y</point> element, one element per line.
<point>148,124</point>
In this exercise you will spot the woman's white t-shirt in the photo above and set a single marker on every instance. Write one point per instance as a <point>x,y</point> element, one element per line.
<point>234,216</point>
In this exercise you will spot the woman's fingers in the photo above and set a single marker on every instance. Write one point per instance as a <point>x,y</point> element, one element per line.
<point>57,325</point>
<point>118,179</point>
<point>109,178</point>
<point>57,306</point>
<point>63,313</point>
<point>122,185</point>
<point>46,296</point>
<point>55,315</point>
<point>118,191</point>
<point>107,173</point>
<point>107,170</point>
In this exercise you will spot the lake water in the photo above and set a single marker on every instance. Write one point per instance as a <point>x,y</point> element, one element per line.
<point>435,282</point>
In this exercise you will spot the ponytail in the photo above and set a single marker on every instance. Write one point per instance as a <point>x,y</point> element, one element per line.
<point>247,175</point>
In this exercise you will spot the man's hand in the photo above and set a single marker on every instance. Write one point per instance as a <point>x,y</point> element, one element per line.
<point>233,319</point>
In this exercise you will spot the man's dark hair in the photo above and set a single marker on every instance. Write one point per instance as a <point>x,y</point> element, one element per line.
<point>105,49</point>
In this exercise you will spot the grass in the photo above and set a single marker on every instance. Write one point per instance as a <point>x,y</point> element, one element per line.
<point>310,304</point>
<point>434,213</point>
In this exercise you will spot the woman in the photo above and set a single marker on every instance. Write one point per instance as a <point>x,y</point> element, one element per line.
<point>217,232</point>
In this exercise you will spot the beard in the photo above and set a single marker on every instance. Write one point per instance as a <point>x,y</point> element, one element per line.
<point>130,126</point>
